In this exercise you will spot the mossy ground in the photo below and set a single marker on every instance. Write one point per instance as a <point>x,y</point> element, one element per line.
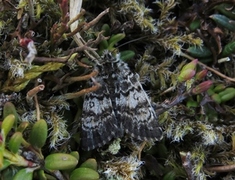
<point>43,73</point>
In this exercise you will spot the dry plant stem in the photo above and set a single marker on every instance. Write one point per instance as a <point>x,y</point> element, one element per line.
<point>225,168</point>
<point>80,48</point>
<point>31,10</point>
<point>73,26</point>
<point>31,93</point>
<point>46,59</point>
<point>70,80</point>
<point>141,149</point>
<point>94,21</point>
<point>170,89</point>
<point>11,4</point>
<point>82,12</point>
<point>82,92</point>
<point>83,65</point>
<point>233,142</point>
<point>99,38</point>
<point>209,68</point>
<point>185,157</point>
<point>92,55</point>
<point>178,99</point>
<point>79,27</point>
<point>37,108</point>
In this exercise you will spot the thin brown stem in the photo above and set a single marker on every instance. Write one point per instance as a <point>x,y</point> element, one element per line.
<point>94,21</point>
<point>70,80</point>
<point>31,93</point>
<point>46,59</point>
<point>37,108</point>
<point>225,168</point>
<point>82,12</point>
<point>141,149</point>
<point>82,92</point>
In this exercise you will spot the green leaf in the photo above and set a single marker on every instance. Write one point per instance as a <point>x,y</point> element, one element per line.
<point>38,134</point>
<point>90,163</point>
<point>83,173</point>
<point>223,21</point>
<point>15,142</point>
<point>24,174</point>
<point>60,161</point>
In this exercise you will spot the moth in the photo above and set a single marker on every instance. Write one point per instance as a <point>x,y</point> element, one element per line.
<point>120,106</point>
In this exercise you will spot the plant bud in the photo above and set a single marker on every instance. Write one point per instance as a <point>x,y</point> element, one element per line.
<point>186,75</point>
<point>200,75</point>
<point>192,65</point>
<point>204,86</point>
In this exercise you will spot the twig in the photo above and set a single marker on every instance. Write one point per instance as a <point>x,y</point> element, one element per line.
<point>185,157</point>
<point>82,92</point>
<point>178,99</point>
<point>83,65</point>
<point>46,59</point>
<point>37,108</point>
<point>81,78</point>
<point>99,38</point>
<point>82,12</point>
<point>33,92</point>
<point>78,28</point>
<point>94,21</point>
<point>31,11</point>
<point>141,149</point>
<point>80,48</point>
<point>225,168</point>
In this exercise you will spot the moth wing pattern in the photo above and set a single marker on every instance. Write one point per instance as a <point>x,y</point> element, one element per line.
<point>134,107</point>
<point>119,105</point>
<point>99,123</point>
